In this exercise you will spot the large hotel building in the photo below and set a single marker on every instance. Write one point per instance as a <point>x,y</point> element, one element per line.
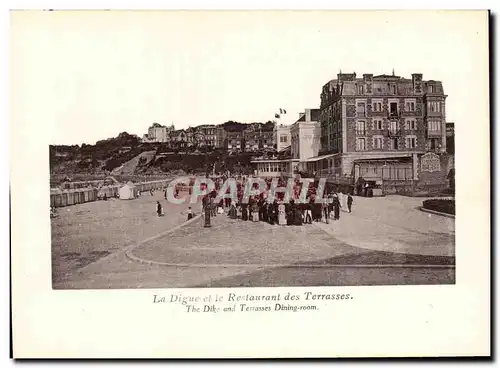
<point>375,127</point>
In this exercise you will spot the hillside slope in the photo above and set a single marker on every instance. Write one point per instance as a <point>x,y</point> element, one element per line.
<point>128,168</point>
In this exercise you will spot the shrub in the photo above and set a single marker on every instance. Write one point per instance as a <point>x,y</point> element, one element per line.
<point>440,205</point>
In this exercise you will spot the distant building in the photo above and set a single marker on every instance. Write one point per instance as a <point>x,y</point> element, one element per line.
<point>450,138</point>
<point>206,135</point>
<point>158,134</point>
<point>179,139</point>
<point>252,135</point>
<point>235,141</point>
<point>220,137</point>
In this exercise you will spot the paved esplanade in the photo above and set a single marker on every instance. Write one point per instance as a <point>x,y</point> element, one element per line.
<point>384,241</point>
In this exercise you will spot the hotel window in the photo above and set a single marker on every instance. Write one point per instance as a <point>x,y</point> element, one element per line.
<point>434,106</point>
<point>410,124</point>
<point>377,142</point>
<point>393,108</point>
<point>394,89</point>
<point>430,89</point>
<point>411,142</point>
<point>360,144</point>
<point>360,110</point>
<point>377,106</point>
<point>377,124</point>
<point>360,128</point>
<point>361,89</point>
<point>410,106</point>
<point>434,143</point>
<point>393,127</point>
<point>393,143</point>
<point>434,125</point>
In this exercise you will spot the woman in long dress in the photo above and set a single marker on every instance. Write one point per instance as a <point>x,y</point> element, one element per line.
<point>244,211</point>
<point>281,214</point>
<point>233,214</point>
<point>255,212</point>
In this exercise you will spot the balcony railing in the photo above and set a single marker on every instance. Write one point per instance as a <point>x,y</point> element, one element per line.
<point>394,132</point>
<point>334,174</point>
<point>433,133</point>
<point>394,115</point>
<point>360,132</point>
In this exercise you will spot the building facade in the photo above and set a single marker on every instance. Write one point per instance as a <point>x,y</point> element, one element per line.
<point>158,134</point>
<point>305,135</point>
<point>235,141</point>
<point>450,138</point>
<point>281,136</point>
<point>380,118</point>
<point>304,142</point>
<point>206,135</point>
<point>252,136</point>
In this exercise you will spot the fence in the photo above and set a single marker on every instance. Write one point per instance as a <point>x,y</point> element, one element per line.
<point>62,198</point>
<point>405,187</point>
<point>69,197</point>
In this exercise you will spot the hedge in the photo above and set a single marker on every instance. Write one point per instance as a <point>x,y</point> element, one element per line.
<point>440,205</point>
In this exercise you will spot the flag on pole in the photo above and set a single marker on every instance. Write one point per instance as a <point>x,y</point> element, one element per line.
<point>284,111</point>
<point>276,116</point>
<point>281,111</point>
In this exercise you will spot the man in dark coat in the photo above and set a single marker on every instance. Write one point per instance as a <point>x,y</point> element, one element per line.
<point>317,212</point>
<point>290,210</point>
<point>264,212</point>
<point>297,218</point>
<point>273,212</point>
<point>244,211</point>
<point>336,207</point>
<point>261,209</point>
<point>349,202</point>
<point>233,213</point>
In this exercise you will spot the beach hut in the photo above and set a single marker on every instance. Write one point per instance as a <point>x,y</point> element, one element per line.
<point>127,191</point>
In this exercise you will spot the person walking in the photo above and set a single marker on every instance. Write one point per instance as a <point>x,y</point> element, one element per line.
<point>189,213</point>
<point>281,214</point>
<point>244,212</point>
<point>261,209</point>
<point>265,217</point>
<point>297,218</point>
<point>158,208</point>
<point>325,211</point>
<point>290,212</point>
<point>336,208</point>
<point>273,213</point>
<point>213,207</point>
<point>349,202</point>
<point>233,213</point>
<point>255,212</point>
<point>308,208</point>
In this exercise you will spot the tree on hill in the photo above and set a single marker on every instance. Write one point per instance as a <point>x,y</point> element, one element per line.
<point>233,126</point>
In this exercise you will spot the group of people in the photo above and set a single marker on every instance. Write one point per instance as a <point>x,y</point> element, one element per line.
<point>290,213</point>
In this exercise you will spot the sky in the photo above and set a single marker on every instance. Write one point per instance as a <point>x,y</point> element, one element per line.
<point>82,76</point>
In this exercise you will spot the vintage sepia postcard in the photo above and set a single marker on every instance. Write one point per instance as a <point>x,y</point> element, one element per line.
<point>250,184</point>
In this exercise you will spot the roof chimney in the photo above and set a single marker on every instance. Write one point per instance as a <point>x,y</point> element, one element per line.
<point>308,114</point>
